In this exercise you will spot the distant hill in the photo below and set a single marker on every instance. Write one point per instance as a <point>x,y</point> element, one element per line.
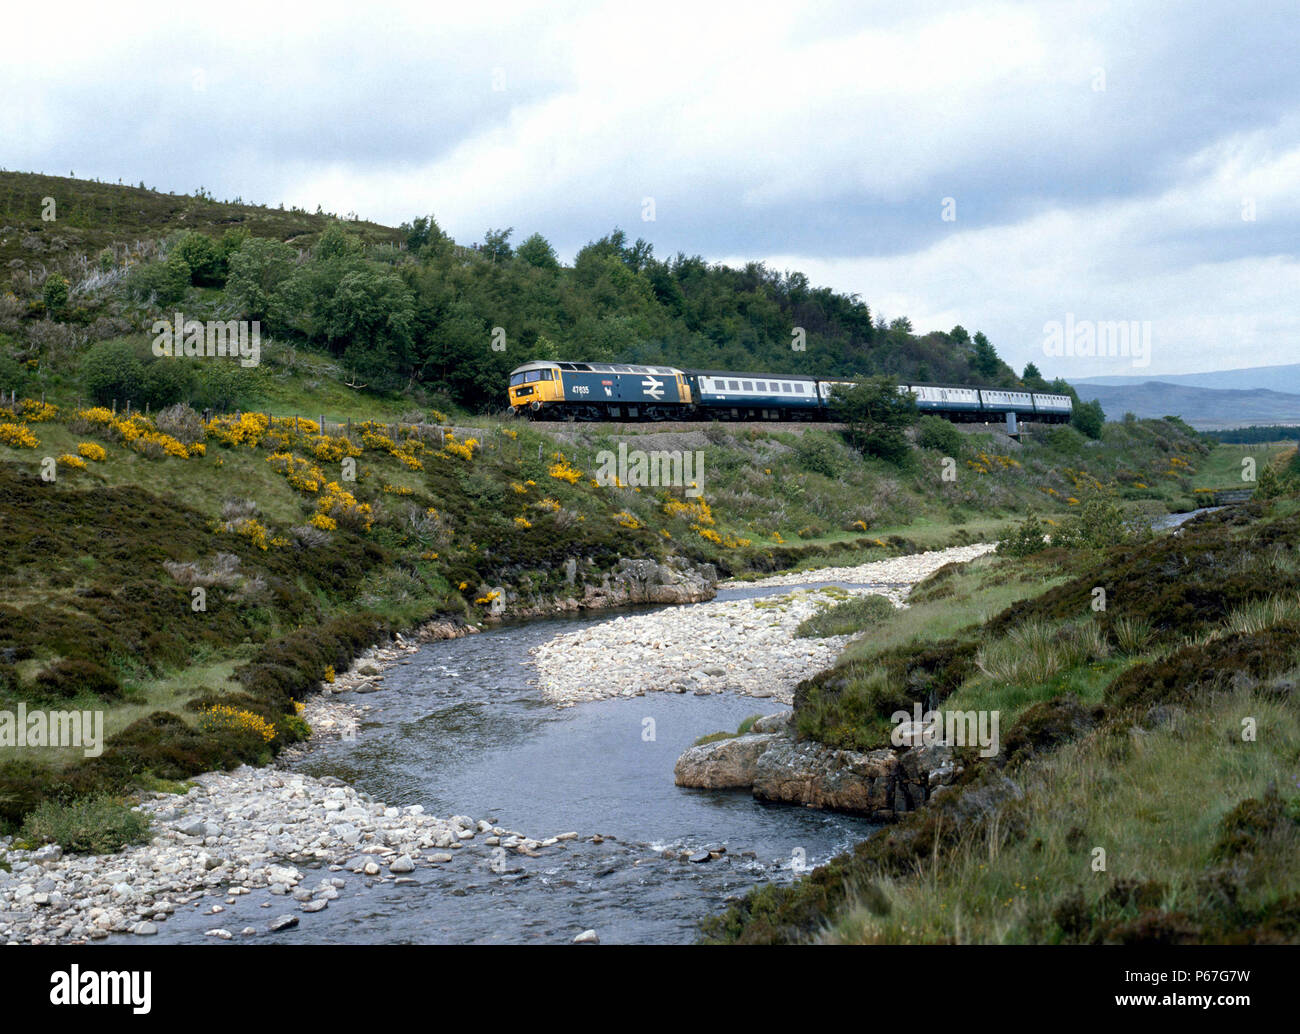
<point>1284,378</point>
<point>1203,408</point>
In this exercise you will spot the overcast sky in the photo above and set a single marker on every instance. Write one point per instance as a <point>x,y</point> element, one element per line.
<point>1096,161</point>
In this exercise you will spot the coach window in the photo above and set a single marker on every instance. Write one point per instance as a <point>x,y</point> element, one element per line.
<point>747,385</point>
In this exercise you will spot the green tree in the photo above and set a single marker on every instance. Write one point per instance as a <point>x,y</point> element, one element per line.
<point>335,243</point>
<point>537,251</point>
<point>984,359</point>
<point>256,272</point>
<point>161,283</point>
<point>496,244</point>
<point>875,413</point>
<point>165,381</point>
<point>1088,418</point>
<point>369,320</point>
<point>417,233</point>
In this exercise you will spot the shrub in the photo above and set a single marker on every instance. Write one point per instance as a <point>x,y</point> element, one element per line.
<point>934,432</point>
<point>1064,439</point>
<point>55,293</point>
<point>99,824</point>
<point>18,436</point>
<point>13,375</point>
<point>847,618</point>
<point>1098,524</point>
<point>66,679</point>
<point>1026,538</point>
<point>163,282</point>
<point>1089,418</point>
<point>816,453</point>
<point>204,259</point>
<point>112,370</point>
<point>182,423</point>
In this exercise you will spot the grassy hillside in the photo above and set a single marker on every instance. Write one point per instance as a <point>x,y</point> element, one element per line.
<point>89,217</point>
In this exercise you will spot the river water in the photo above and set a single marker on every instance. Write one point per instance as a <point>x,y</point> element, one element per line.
<point>461,728</point>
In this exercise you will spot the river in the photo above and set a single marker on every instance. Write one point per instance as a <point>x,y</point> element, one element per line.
<point>460,728</point>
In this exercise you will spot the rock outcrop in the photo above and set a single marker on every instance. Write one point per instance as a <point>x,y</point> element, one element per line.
<point>675,580</point>
<point>728,764</point>
<point>880,784</point>
<point>648,581</point>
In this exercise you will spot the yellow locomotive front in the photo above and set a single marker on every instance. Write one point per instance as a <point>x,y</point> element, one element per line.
<point>533,386</point>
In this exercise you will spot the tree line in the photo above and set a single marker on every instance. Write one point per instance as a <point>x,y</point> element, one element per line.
<point>452,321</point>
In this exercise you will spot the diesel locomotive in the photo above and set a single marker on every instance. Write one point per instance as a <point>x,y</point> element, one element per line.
<point>544,390</point>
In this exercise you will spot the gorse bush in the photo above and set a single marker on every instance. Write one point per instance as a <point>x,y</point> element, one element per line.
<point>1098,524</point>
<point>55,294</point>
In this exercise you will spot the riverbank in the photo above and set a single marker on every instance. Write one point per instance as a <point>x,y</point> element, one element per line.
<point>745,646</point>
<point>1126,797</point>
<point>256,829</point>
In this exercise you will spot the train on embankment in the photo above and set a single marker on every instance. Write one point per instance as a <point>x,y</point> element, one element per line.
<point>543,390</point>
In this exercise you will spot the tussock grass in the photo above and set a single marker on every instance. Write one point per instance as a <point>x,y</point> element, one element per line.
<point>1155,801</point>
<point>1036,650</point>
<point>1258,615</point>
